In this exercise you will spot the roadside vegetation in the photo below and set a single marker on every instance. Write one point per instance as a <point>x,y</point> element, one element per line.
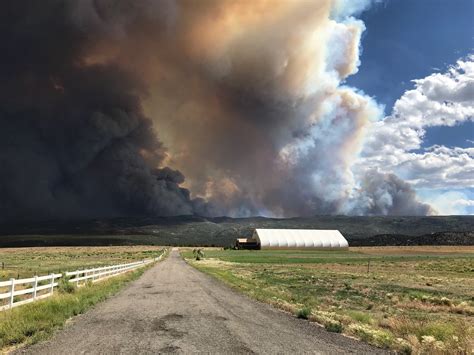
<point>415,300</point>
<point>37,321</point>
<point>27,262</point>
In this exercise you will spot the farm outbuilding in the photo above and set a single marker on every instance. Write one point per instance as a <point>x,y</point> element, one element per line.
<point>294,239</point>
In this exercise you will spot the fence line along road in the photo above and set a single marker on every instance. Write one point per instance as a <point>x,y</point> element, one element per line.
<point>37,283</point>
<point>101,273</point>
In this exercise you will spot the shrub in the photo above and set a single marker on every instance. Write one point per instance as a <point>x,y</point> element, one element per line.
<point>403,346</point>
<point>431,346</point>
<point>462,308</point>
<point>64,286</point>
<point>303,313</point>
<point>439,330</point>
<point>198,254</point>
<point>334,326</point>
<point>445,301</point>
<point>372,336</point>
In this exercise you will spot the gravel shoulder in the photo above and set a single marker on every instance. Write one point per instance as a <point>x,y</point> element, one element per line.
<point>173,308</point>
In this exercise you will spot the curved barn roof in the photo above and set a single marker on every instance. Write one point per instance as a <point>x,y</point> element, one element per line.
<point>300,238</point>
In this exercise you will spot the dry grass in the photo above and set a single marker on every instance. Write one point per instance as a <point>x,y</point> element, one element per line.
<point>37,321</point>
<point>27,262</point>
<point>415,250</point>
<point>417,300</point>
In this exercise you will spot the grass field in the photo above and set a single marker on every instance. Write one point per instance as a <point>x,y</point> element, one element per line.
<point>37,321</point>
<point>411,299</point>
<point>27,262</point>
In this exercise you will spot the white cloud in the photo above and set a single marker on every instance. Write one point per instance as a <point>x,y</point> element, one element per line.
<point>464,202</point>
<point>346,8</point>
<point>394,144</point>
<point>450,203</point>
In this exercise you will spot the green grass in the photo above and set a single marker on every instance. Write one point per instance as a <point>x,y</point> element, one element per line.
<point>37,321</point>
<point>282,256</point>
<point>303,313</point>
<point>406,298</point>
<point>27,262</point>
<point>360,316</point>
<point>314,257</point>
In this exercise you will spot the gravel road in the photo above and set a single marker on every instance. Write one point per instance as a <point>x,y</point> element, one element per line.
<point>174,308</point>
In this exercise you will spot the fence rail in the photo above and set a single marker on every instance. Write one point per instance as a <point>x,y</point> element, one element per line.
<point>35,287</point>
<point>101,273</point>
<point>37,283</point>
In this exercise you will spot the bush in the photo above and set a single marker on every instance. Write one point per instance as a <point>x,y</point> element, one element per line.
<point>335,327</point>
<point>372,336</point>
<point>64,286</point>
<point>303,313</point>
<point>198,254</point>
<point>403,346</point>
<point>439,330</point>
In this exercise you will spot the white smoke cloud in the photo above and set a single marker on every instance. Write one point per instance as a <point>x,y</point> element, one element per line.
<point>394,144</point>
<point>346,8</point>
<point>263,124</point>
<point>437,100</point>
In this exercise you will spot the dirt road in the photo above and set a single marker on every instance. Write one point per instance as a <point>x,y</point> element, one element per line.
<point>175,308</point>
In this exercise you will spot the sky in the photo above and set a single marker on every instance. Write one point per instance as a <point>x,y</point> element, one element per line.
<point>238,108</point>
<point>407,40</point>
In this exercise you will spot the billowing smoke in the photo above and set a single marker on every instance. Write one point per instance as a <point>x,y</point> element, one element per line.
<point>386,194</point>
<point>74,141</point>
<point>248,98</point>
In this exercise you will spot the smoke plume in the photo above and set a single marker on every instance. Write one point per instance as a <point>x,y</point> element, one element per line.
<point>99,98</point>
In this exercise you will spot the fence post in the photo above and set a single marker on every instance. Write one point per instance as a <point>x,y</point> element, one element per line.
<point>52,284</point>
<point>35,285</point>
<point>12,290</point>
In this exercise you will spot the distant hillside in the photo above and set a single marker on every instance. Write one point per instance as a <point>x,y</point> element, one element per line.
<point>222,231</point>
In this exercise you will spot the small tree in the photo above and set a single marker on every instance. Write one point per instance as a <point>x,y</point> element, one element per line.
<point>198,254</point>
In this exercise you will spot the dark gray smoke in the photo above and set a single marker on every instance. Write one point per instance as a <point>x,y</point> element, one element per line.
<point>246,95</point>
<point>74,141</point>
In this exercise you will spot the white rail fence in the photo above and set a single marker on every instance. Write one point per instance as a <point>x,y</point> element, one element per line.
<point>81,277</point>
<point>40,287</point>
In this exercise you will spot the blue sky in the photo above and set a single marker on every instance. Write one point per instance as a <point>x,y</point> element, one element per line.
<point>406,40</point>
<point>410,39</point>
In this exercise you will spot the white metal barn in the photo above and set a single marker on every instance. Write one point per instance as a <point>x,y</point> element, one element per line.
<point>299,238</point>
